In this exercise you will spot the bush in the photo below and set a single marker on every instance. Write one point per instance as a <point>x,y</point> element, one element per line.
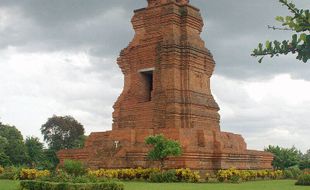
<point>1,170</point>
<point>303,179</point>
<point>11,173</point>
<point>231,175</point>
<point>186,175</point>
<point>33,174</point>
<point>35,185</point>
<point>164,177</point>
<point>75,168</point>
<point>288,174</point>
<point>124,174</point>
<point>296,172</point>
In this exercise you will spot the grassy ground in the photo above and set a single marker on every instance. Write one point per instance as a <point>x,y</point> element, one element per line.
<point>259,185</point>
<point>8,185</point>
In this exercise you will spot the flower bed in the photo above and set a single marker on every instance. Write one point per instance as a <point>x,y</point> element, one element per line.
<point>31,174</point>
<point>235,176</point>
<point>151,174</point>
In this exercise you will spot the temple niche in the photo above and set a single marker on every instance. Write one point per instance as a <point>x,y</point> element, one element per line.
<point>167,71</point>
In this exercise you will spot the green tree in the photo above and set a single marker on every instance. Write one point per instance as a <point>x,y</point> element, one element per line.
<point>62,132</point>
<point>79,143</point>
<point>35,150</point>
<point>305,161</point>
<point>3,143</point>
<point>284,157</point>
<point>4,159</point>
<point>299,23</point>
<point>162,148</point>
<point>15,149</point>
<point>50,161</point>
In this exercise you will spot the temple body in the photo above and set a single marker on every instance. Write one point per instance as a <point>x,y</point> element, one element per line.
<point>167,71</point>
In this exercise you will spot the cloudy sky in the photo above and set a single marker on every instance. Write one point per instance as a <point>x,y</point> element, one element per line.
<point>59,57</point>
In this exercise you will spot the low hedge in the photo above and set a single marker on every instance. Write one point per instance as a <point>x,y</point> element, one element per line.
<point>44,185</point>
<point>151,174</point>
<point>235,176</point>
<point>303,179</point>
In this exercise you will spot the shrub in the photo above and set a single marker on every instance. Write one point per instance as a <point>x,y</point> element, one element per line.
<point>296,172</point>
<point>303,179</point>
<point>31,174</point>
<point>186,175</point>
<point>231,175</point>
<point>75,168</point>
<point>11,173</point>
<point>235,179</point>
<point>1,170</point>
<point>124,174</point>
<point>35,185</point>
<point>288,174</point>
<point>145,173</point>
<point>164,177</point>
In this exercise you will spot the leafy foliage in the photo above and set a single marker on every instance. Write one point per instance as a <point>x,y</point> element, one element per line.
<point>15,148</point>
<point>75,168</point>
<point>284,157</point>
<point>150,174</point>
<point>305,161</point>
<point>162,148</point>
<point>35,150</point>
<point>31,174</point>
<point>303,179</point>
<point>235,176</point>
<point>299,22</point>
<point>62,132</point>
<point>4,159</point>
<point>292,173</point>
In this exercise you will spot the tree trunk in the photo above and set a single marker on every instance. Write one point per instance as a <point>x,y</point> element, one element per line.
<point>162,164</point>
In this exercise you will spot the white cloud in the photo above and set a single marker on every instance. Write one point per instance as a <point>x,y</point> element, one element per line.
<point>267,112</point>
<point>34,86</point>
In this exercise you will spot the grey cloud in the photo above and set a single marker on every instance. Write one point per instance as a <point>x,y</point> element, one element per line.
<point>233,29</point>
<point>101,28</point>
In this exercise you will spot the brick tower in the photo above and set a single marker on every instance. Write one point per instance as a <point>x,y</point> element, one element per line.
<point>167,71</point>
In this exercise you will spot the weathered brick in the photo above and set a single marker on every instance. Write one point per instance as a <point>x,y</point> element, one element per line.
<point>167,91</point>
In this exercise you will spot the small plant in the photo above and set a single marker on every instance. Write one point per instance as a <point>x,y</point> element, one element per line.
<point>162,148</point>
<point>1,170</point>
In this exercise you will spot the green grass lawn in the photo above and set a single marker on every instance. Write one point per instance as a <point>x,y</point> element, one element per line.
<point>8,185</point>
<point>259,185</point>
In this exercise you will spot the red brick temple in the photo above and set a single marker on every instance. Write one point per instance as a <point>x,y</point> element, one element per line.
<point>167,71</point>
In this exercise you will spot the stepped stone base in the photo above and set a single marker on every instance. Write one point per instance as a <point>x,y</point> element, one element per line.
<point>124,149</point>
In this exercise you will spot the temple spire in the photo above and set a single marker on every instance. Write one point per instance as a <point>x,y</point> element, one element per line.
<point>152,3</point>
